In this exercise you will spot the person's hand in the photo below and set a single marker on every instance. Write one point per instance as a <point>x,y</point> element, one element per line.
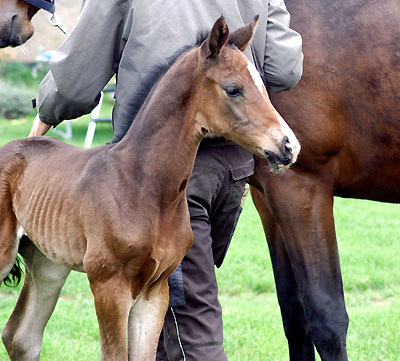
<point>38,128</point>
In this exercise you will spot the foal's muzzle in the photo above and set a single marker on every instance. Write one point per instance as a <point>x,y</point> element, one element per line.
<point>283,159</point>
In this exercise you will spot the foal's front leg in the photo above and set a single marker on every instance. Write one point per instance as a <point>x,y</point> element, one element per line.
<point>146,320</point>
<point>23,333</point>
<point>113,300</point>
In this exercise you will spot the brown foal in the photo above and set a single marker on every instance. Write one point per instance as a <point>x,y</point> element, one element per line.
<point>119,212</point>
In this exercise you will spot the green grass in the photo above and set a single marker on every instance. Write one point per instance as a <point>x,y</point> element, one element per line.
<point>369,244</point>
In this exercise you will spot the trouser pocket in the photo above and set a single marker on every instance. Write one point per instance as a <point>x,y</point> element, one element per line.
<point>224,223</point>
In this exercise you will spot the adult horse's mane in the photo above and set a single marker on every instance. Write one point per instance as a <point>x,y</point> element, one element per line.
<point>139,96</point>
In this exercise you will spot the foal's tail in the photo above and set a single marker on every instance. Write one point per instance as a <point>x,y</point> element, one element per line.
<point>14,277</point>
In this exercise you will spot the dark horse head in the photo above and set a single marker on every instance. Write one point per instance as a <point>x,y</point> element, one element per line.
<point>15,19</point>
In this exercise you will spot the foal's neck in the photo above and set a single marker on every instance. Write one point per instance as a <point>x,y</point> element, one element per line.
<point>161,145</point>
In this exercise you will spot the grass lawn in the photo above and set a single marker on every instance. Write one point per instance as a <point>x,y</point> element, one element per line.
<point>369,244</point>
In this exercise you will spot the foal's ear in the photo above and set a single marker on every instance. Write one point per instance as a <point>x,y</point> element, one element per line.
<point>242,37</point>
<point>215,41</point>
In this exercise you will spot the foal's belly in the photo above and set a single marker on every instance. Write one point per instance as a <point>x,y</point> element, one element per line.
<point>59,240</point>
<point>62,248</point>
<point>51,216</point>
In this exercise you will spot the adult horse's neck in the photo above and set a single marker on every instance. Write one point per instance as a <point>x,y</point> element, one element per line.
<point>161,145</point>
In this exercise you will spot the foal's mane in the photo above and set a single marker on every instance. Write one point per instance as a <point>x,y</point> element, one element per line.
<point>139,96</point>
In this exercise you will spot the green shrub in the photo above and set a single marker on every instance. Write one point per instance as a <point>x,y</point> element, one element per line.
<point>21,74</point>
<point>15,101</point>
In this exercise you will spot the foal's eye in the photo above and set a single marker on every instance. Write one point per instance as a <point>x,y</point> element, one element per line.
<point>233,91</point>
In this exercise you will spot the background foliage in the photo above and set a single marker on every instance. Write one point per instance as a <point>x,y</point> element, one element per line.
<point>17,88</point>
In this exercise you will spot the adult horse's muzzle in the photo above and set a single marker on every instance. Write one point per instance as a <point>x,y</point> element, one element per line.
<point>14,33</point>
<point>15,20</point>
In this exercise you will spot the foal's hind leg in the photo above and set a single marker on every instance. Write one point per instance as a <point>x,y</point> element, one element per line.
<point>146,320</point>
<point>8,240</point>
<point>23,333</point>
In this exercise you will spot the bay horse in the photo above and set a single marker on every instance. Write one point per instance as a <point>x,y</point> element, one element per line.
<point>119,212</point>
<point>15,22</point>
<point>346,114</point>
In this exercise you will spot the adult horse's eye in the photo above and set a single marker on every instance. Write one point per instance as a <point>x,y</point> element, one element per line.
<point>233,91</point>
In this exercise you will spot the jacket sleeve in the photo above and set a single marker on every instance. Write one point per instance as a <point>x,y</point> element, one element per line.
<point>283,62</point>
<point>83,64</point>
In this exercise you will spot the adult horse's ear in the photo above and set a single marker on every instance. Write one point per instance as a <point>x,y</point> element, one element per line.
<point>217,38</point>
<point>242,37</point>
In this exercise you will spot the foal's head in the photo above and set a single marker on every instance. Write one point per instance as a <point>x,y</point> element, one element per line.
<point>234,101</point>
<point>15,22</point>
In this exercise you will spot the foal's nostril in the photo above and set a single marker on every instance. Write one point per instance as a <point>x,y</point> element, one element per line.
<point>285,145</point>
<point>286,150</point>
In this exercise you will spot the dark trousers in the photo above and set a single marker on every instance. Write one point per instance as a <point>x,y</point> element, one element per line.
<point>193,324</point>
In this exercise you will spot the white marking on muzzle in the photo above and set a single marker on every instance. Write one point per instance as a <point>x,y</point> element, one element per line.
<point>293,142</point>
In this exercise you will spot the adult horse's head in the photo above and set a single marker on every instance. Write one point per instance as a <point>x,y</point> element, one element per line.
<point>15,20</point>
<point>238,103</point>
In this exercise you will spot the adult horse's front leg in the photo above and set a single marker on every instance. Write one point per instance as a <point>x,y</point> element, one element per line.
<point>146,320</point>
<point>23,333</point>
<point>297,329</point>
<point>302,207</point>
